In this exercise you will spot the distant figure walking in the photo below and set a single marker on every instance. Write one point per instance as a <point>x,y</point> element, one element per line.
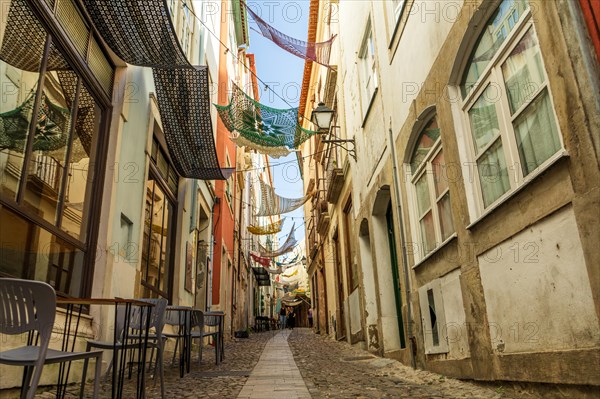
<point>282,318</point>
<point>291,316</point>
<point>310,317</point>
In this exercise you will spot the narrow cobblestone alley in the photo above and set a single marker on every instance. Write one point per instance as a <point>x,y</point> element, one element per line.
<point>299,364</point>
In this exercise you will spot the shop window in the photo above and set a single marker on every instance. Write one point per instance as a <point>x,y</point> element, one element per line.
<point>49,149</point>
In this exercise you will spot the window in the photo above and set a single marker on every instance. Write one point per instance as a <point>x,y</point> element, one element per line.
<point>188,28</point>
<point>49,140</point>
<point>367,69</point>
<point>172,9</point>
<point>352,267</point>
<point>228,185</point>
<point>397,6</point>
<point>159,226</point>
<point>507,104</point>
<point>433,318</point>
<point>429,180</point>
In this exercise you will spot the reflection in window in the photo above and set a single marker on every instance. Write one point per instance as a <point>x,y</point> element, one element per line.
<point>30,252</point>
<point>499,26</point>
<point>157,243</point>
<point>431,188</point>
<point>510,111</point>
<point>49,129</point>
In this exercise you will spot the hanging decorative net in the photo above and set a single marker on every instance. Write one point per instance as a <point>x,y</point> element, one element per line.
<point>272,204</point>
<point>264,230</point>
<point>260,124</point>
<point>141,33</point>
<point>317,52</point>
<point>287,246</point>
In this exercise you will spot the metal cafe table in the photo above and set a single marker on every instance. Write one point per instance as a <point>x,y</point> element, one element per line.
<point>74,307</point>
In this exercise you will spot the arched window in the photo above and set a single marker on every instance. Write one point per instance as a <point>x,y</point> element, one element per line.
<point>431,210</point>
<point>507,105</point>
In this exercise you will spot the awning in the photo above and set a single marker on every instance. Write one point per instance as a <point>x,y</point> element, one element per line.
<point>262,277</point>
<point>141,33</point>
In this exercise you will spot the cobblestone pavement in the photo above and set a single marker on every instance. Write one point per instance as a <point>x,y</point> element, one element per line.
<point>334,369</point>
<point>330,369</point>
<point>205,380</point>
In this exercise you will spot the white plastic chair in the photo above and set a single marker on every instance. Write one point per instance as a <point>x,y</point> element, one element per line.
<point>27,306</point>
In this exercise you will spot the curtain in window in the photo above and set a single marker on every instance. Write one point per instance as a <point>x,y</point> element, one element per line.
<point>493,174</point>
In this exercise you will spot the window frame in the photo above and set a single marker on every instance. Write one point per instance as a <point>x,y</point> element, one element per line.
<point>492,76</point>
<point>425,169</point>
<point>88,239</point>
<point>170,196</point>
<point>367,69</point>
<point>441,328</point>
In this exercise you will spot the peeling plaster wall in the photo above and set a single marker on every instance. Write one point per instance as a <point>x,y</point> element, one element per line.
<point>537,289</point>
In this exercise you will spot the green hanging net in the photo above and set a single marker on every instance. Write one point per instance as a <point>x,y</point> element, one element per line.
<point>261,124</point>
<point>52,128</point>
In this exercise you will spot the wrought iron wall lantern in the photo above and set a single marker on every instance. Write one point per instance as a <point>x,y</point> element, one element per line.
<point>321,117</point>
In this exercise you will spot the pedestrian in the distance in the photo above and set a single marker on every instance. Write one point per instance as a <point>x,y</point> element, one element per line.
<point>310,317</point>
<point>291,318</point>
<point>282,314</point>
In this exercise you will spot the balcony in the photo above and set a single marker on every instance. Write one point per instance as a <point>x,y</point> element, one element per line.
<point>335,183</point>
<point>323,218</point>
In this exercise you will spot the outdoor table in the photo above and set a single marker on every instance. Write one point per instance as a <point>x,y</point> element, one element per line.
<point>118,361</point>
<point>185,332</point>
<point>221,316</point>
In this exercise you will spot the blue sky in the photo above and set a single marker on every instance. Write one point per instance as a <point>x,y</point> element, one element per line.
<point>283,72</point>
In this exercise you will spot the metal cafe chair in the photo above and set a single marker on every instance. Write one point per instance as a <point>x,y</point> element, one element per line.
<point>201,321</point>
<point>133,328</point>
<point>27,307</point>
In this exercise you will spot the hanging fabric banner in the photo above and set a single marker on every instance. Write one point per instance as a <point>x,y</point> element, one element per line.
<point>264,230</point>
<point>141,33</point>
<point>184,104</point>
<point>273,152</point>
<point>261,124</point>
<point>266,262</point>
<point>289,263</point>
<point>287,246</point>
<point>291,274</point>
<point>272,204</point>
<point>317,52</point>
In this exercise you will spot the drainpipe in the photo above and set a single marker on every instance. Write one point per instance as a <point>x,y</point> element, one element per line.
<point>411,339</point>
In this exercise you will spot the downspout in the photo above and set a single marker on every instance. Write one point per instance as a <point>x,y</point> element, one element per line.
<point>411,338</point>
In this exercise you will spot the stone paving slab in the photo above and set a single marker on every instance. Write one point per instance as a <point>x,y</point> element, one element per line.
<point>276,374</point>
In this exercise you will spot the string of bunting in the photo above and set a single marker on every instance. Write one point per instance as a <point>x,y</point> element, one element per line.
<point>317,52</point>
